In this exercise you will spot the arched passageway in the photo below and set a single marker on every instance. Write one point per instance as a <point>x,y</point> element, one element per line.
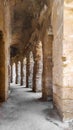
<point>41,33</point>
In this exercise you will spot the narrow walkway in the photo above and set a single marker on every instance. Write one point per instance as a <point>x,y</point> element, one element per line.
<point>24,111</point>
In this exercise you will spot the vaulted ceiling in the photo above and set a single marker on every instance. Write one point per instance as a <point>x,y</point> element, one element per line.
<point>26,16</point>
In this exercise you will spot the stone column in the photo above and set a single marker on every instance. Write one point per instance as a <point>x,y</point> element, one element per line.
<point>37,70</point>
<point>47,91</point>
<point>9,77</point>
<point>11,74</point>
<point>16,72</point>
<point>24,71</point>
<point>31,70</point>
<point>27,70</point>
<point>3,69</point>
<point>22,74</point>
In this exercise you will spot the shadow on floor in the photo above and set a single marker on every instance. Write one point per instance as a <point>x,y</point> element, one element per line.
<point>52,116</point>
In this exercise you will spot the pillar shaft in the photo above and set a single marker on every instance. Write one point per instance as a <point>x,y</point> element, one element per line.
<point>3,70</point>
<point>16,73</point>
<point>11,74</point>
<point>9,77</point>
<point>37,71</point>
<point>47,68</point>
<point>27,71</point>
<point>22,74</point>
<point>24,70</point>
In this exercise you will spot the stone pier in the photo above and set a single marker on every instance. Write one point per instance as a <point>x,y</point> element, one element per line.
<point>22,73</point>
<point>37,70</point>
<point>3,70</point>
<point>11,73</point>
<point>16,81</point>
<point>47,88</point>
<point>27,70</point>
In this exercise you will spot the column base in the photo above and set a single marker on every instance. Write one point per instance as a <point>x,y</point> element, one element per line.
<point>37,91</point>
<point>47,98</point>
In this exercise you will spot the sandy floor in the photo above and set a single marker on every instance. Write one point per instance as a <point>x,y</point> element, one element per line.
<point>24,111</point>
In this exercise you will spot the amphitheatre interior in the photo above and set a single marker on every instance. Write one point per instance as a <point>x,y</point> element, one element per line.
<point>36,50</point>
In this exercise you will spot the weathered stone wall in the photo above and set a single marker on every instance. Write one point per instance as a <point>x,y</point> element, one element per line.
<point>3,56</point>
<point>1,16</point>
<point>68,61</point>
<point>57,23</point>
<point>62,58</point>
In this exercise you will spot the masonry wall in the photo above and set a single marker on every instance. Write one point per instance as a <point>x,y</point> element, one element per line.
<point>63,59</point>
<point>57,23</point>
<point>3,56</point>
<point>68,61</point>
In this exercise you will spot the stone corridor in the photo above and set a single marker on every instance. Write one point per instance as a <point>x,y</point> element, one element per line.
<point>25,111</point>
<point>36,51</point>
